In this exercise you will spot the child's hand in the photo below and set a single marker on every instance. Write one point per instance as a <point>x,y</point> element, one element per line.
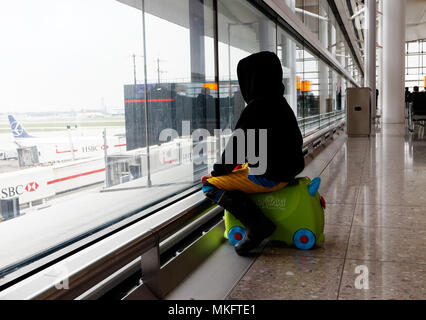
<point>205,177</point>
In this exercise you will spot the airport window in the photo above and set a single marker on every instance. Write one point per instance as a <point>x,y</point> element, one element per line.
<point>242,31</point>
<point>73,139</point>
<point>309,85</point>
<point>287,51</point>
<point>415,64</point>
<point>100,100</point>
<point>299,82</point>
<point>320,20</point>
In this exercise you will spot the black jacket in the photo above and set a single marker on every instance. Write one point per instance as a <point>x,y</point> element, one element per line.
<point>260,79</point>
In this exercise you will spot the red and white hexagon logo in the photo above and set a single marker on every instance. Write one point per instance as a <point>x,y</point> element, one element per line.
<point>31,186</point>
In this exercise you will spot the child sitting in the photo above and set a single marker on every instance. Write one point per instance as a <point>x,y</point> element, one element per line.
<point>260,79</point>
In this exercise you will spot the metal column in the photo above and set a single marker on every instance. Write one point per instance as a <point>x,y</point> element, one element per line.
<point>198,75</point>
<point>196,35</point>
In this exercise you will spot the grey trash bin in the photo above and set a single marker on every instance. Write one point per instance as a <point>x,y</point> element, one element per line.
<point>358,111</point>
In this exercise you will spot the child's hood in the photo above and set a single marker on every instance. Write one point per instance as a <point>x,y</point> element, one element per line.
<point>260,75</point>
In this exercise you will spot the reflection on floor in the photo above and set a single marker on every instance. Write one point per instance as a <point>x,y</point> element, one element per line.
<point>375,231</point>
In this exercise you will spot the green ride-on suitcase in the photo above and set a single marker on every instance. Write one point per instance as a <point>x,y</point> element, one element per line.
<point>297,210</point>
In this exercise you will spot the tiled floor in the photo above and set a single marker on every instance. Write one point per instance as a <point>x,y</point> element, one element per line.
<point>375,231</point>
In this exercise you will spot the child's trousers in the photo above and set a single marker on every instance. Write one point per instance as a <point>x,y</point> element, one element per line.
<point>230,192</point>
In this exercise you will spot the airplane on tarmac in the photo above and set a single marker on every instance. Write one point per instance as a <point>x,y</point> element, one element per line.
<point>62,148</point>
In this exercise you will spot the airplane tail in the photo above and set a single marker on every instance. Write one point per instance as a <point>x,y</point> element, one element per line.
<point>17,129</point>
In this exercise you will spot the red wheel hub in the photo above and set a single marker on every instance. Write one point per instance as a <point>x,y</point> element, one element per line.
<point>238,236</point>
<point>304,239</point>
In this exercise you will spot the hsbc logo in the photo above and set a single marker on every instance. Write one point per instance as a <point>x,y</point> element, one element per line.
<point>93,148</point>
<point>10,192</point>
<point>32,186</point>
<point>13,191</point>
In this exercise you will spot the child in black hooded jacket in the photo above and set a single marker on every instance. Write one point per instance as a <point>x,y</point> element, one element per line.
<point>260,80</point>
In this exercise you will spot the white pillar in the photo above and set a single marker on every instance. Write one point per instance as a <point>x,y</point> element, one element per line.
<point>323,69</point>
<point>393,60</point>
<point>366,22</point>
<point>332,75</point>
<point>371,56</point>
<point>380,63</point>
<point>323,86</point>
<point>291,45</point>
<point>267,36</point>
<point>290,61</point>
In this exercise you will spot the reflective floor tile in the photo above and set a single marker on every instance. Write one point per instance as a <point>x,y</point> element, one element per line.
<point>339,193</point>
<point>387,244</point>
<point>402,177</point>
<point>274,276</point>
<point>338,214</point>
<point>392,194</point>
<point>330,178</point>
<point>390,216</point>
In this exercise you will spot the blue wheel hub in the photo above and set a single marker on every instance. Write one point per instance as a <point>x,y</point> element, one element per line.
<point>235,235</point>
<point>304,239</point>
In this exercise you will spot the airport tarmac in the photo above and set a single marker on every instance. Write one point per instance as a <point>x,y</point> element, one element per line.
<point>55,128</point>
<point>49,132</point>
<point>8,165</point>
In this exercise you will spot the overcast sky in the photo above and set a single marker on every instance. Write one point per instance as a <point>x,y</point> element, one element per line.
<point>72,54</point>
<point>64,54</point>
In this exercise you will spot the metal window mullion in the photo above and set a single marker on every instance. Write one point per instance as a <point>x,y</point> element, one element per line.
<point>146,97</point>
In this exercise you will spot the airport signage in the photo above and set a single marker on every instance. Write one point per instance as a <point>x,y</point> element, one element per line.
<point>28,184</point>
<point>91,148</point>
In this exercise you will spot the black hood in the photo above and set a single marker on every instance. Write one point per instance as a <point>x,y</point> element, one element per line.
<point>260,75</point>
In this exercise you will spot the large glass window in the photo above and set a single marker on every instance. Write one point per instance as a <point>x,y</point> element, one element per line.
<point>310,84</point>
<point>299,81</point>
<point>415,64</point>
<point>320,20</point>
<point>85,99</point>
<point>180,91</point>
<point>101,102</point>
<point>286,51</point>
<point>242,31</point>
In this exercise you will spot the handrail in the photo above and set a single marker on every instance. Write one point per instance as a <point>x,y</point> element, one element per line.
<point>95,263</point>
<point>309,140</point>
<point>321,114</point>
<point>319,117</point>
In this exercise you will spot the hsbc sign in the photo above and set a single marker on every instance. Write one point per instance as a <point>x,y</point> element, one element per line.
<point>17,190</point>
<point>11,191</point>
<point>92,148</point>
<point>32,186</point>
<point>28,184</point>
